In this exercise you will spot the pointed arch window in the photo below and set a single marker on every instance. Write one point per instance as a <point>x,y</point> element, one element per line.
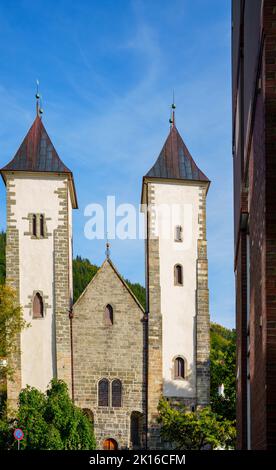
<point>178,275</point>
<point>103,392</point>
<point>34,226</point>
<point>42,227</point>
<point>38,307</point>
<point>108,315</point>
<point>117,393</point>
<point>179,368</point>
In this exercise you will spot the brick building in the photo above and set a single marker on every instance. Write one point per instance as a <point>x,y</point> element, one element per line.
<point>254,160</point>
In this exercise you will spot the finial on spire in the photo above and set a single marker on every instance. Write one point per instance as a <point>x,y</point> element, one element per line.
<point>172,118</point>
<point>39,110</point>
<point>107,251</point>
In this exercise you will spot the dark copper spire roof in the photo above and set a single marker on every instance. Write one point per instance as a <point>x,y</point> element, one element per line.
<point>37,153</point>
<point>175,161</point>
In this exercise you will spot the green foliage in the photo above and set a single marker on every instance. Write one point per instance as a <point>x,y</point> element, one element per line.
<point>11,323</point>
<point>194,430</point>
<point>139,292</point>
<point>83,272</point>
<point>223,371</point>
<point>49,421</point>
<point>2,257</point>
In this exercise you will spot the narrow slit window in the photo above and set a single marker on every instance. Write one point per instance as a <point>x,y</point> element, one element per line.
<point>178,275</point>
<point>108,316</point>
<point>42,229</point>
<point>178,233</point>
<point>34,225</point>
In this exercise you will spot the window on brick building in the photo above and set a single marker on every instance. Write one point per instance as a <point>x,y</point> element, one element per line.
<point>108,316</point>
<point>38,306</point>
<point>103,392</point>
<point>178,237</point>
<point>178,275</point>
<point>179,368</point>
<point>116,393</point>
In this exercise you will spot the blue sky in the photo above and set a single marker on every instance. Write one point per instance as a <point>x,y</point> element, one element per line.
<point>107,70</point>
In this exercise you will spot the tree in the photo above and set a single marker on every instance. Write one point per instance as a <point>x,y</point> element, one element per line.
<point>50,421</point>
<point>11,324</point>
<point>223,371</point>
<point>194,430</point>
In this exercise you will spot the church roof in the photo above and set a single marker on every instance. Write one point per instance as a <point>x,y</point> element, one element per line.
<point>37,154</point>
<point>175,161</point>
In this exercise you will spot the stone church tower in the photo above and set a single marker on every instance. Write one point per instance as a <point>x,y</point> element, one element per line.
<point>40,198</point>
<point>174,198</point>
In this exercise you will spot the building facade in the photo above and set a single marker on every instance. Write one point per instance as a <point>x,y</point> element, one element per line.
<point>116,359</point>
<point>254,148</point>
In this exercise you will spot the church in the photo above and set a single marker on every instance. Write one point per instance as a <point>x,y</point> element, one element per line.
<point>116,358</point>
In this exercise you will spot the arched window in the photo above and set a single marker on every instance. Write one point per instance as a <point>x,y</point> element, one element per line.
<point>108,316</point>
<point>179,368</point>
<point>178,234</point>
<point>34,227</point>
<point>87,412</point>
<point>116,393</point>
<point>42,231</point>
<point>178,275</point>
<point>37,306</point>
<point>103,392</point>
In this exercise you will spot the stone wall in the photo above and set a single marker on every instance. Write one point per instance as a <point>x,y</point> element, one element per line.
<point>109,351</point>
<point>202,315</point>
<point>12,279</point>
<point>62,295</point>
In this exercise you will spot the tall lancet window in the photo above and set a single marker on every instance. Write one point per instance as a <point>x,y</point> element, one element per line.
<point>108,315</point>
<point>178,275</point>
<point>42,229</point>
<point>38,306</point>
<point>34,225</point>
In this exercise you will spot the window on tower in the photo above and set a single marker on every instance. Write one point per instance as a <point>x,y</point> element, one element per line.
<point>38,308</point>
<point>178,234</point>
<point>42,231</point>
<point>179,368</point>
<point>34,227</point>
<point>178,275</point>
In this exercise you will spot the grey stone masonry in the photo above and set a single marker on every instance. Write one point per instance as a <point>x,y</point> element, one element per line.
<point>202,317</point>
<point>12,279</point>
<point>111,351</point>
<point>62,295</point>
<point>155,380</point>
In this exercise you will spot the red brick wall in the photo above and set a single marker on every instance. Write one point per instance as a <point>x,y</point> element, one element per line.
<point>270,150</point>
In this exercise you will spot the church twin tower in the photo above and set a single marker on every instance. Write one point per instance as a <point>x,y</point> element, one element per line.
<point>117,359</point>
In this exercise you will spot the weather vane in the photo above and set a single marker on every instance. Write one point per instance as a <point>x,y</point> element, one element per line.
<point>39,109</point>
<point>172,118</point>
